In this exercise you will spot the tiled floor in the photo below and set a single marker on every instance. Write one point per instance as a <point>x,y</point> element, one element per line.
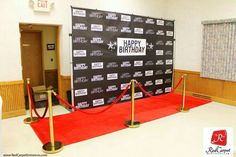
<point>179,135</point>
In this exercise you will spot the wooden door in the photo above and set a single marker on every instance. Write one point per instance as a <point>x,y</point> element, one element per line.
<point>31,54</point>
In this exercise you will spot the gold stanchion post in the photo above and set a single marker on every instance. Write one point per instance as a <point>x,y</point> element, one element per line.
<point>132,123</point>
<point>52,146</point>
<point>183,108</point>
<point>31,118</point>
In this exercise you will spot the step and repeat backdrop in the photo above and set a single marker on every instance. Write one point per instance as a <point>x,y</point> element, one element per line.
<point>109,49</point>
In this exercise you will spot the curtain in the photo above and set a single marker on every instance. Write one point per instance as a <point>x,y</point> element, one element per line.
<point>219,51</point>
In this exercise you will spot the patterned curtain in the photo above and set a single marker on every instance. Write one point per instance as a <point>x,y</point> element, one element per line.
<point>219,50</point>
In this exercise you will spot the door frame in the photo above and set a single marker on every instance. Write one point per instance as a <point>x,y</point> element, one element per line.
<point>58,30</point>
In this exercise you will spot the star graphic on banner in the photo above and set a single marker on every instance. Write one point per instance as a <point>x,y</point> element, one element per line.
<point>110,46</point>
<point>151,46</point>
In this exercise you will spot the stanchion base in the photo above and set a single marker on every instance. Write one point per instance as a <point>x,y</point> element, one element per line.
<point>47,148</point>
<point>30,120</point>
<point>181,109</point>
<point>135,124</point>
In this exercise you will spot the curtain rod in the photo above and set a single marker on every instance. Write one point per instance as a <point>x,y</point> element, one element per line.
<point>208,22</point>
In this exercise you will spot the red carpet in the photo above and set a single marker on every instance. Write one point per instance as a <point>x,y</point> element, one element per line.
<point>74,127</point>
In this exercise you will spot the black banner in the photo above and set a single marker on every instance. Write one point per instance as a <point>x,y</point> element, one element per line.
<point>109,49</point>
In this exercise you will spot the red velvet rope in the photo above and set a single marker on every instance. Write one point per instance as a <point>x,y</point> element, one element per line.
<point>148,94</point>
<point>143,90</point>
<point>177,85</point>
<point>33,106</point>
<point>90,113</point>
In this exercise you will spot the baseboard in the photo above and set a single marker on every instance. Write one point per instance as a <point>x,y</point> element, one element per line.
<point>208,97</point>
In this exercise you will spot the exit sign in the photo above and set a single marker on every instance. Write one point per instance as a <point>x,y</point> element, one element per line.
<point>42,5</point>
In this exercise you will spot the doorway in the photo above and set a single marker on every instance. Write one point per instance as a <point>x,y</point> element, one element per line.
<point>40,58</point>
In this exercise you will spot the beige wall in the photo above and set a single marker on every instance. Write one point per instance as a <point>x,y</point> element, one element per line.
<point>49,37</point>
<point>14,12</point>
<point>188,28</point>
<point>187,13</point>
